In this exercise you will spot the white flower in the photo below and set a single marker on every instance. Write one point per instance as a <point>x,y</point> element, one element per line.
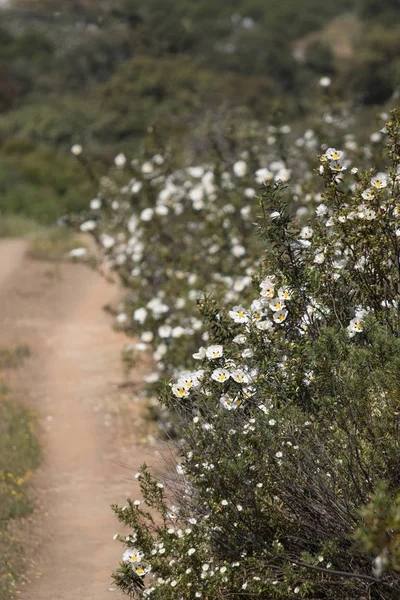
<point>220,375</point>
<point>214,351</point>
<point>230,403</point>
<point>247,353</point>
<point>325,82</point>
<point>240,339</point>
<point>238,314</point>
<point>267,288</point>
<point>147,168</point>
<point>140,315</point>
<point>76,149</point>
<point>77,252</point>
<point>178,332</point>
<point>333,154</point>
<point>375,137</point>
<point>188,380</point>
<point>240,168</point>
<point>132,556</point>
<point>191,551</point>
<point>274,215</point>
<point>88,226</point>
<point>280,316</point>
<point>107,241</point>
<point>180,389</point>
<point>263,175</point>
<point>308,377</point>
<point>200,354</point>
<point>240,376</point>
<point>336,165</point>
<point>147,337</point>
<point>120,160</point>
<point>319,258</point>
<point>147,214</point>
<point>238,250</point>
<point>249,192</point>
<point>306,233</point>
<point>355,326</point>
<point>136,187</point>
<point>196,172</point>
<point>368,194</point>
<point>264,325</point>
<point>379,181</point>
<point>95,204</point>
<point>197,194</point>
<point>161,210</point>
<point>284,293</point>
<point>164,331</point>
<point>277,304</point>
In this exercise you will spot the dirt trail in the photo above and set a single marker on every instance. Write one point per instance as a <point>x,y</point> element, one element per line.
<point>73,372</point>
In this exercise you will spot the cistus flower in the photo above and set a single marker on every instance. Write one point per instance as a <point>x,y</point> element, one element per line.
<point>379,181</point>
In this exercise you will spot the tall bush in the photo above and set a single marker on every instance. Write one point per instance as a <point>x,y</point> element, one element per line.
<point>289,456</point>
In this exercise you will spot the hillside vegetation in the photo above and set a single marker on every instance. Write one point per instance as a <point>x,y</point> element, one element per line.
<point>102,73</point>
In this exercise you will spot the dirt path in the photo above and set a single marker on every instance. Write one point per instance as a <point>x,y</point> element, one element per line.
<point>69,381</point>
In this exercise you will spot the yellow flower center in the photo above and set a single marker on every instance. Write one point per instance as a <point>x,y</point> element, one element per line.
<point>281,317</point>
<point>222,377</point>
<point>240,314</point>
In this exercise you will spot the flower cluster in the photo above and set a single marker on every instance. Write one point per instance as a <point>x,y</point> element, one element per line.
<point>174,235</point>
<point>286,397</point>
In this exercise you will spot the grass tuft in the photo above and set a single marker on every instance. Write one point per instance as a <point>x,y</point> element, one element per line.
<point>19,457</point>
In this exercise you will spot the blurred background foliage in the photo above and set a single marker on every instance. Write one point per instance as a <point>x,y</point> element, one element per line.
<point>103,73</point>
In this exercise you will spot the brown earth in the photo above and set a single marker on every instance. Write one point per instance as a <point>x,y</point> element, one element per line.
<point>71,381</point>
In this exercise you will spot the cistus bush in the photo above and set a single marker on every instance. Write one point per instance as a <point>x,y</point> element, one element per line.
<point>287,479</point>
<point>174,234</point>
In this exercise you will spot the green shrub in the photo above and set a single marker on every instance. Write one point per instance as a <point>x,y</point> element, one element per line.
<point>289,426</point>
<point>19,456</point>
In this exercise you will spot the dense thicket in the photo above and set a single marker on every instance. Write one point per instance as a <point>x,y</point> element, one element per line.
<point>286,392</point>
<point>101,73</point>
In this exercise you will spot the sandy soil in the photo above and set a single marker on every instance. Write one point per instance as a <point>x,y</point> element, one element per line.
<point>71,381</point>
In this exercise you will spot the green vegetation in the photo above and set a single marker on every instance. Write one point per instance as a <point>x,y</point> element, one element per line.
<point>19,456</point>
<point>13,357</point>
<point>102,73</point>
<point>17,226</point>
<point>285,393</point>
<point>54,243</point>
